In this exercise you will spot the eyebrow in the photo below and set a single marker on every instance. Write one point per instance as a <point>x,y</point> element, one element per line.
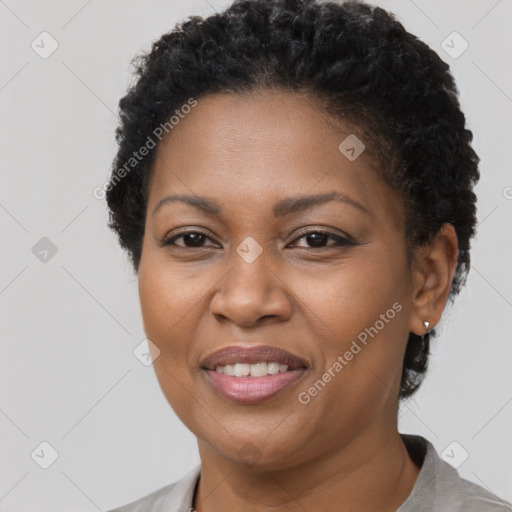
<point>282,208</point>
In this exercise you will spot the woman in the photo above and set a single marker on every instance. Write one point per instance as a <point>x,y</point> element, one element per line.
<point>294,188</point>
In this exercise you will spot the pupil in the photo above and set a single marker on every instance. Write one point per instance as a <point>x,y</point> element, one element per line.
<point>319,237</point>
<point>197,236</point>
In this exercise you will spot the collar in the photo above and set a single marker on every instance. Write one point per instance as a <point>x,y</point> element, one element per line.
<point>438,487</point>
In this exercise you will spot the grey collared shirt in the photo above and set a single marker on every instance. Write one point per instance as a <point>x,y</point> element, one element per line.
<point>438,488</point>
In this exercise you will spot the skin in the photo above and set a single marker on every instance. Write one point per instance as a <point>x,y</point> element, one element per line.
<point>342,450</point>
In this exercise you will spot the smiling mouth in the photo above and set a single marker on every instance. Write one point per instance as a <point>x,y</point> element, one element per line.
<point>248,375</point>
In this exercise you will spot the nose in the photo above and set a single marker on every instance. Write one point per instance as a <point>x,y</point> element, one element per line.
<point>251,293</point>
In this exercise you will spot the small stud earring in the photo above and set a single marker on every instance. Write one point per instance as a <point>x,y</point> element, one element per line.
<point>427,326</point>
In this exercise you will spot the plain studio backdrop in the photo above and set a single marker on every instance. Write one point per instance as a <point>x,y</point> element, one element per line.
<point>73,396</point>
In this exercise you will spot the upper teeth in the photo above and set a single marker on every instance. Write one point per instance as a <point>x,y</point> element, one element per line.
<point>254,370</point>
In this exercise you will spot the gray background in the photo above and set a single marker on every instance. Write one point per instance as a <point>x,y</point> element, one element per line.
<point>69,325</point>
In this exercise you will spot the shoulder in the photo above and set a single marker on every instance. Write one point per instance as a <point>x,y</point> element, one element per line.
<point>440,488</point>
<point>174,497</point>
<point>477,499</point>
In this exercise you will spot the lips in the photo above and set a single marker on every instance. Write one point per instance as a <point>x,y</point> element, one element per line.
<point>252,389</point>
<point>252,355</point>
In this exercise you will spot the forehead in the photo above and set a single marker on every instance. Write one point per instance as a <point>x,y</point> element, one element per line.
<point>262,146</point>
<point>287,124</point>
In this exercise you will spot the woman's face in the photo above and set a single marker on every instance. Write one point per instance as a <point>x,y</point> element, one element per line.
<point>342,305</point>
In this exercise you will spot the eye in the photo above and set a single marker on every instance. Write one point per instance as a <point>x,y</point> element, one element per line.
<point>191,239</point>
<point>317,239</point>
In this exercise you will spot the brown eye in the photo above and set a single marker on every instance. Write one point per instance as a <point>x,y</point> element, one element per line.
<point>191,240</point>
<point>317,239</point>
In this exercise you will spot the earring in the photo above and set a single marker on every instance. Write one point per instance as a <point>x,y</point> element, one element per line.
<point>427,326</point>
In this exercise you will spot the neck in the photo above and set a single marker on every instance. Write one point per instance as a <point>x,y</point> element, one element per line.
<point>373,472</point>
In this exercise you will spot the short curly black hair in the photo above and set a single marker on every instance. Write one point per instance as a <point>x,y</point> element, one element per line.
<point>365,69</point>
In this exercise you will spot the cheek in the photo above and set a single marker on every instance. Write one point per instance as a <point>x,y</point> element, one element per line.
<point>167,305</point>
<point>159,304</point>
<point>167,295</point>
<point>351,297</point>
<point>359,314</point>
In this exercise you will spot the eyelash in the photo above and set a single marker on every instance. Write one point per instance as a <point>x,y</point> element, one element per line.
<point>339,240</point>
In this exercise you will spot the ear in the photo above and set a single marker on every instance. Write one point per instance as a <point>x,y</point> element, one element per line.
<point>433,270</point>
